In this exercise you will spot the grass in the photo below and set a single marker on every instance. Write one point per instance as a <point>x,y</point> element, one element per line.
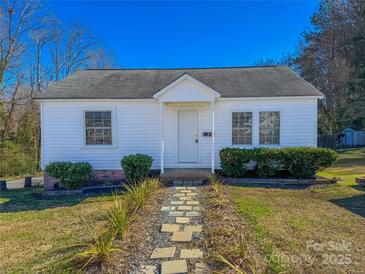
<point>286,222</point>
<point>35,231</point>
<point>54,235</point>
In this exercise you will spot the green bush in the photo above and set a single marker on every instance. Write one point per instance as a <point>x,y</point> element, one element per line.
<point>303,162</point>
<point>234,160</point>
<point>136,166</point>
<point>78,175</point>
<point>14,161</point>
<point>269,162</point>
<point>300,162</point>
<point>58,170</point>
<point>70,175</point>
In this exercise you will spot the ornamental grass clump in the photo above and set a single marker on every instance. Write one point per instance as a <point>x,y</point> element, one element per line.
<point>136,194</point>
<point>216,185</point>
<point>118,217</point>
<point>237,261</point>
<point>97,251</point>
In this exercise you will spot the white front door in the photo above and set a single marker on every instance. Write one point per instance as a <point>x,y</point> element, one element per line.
<point>187,132</point>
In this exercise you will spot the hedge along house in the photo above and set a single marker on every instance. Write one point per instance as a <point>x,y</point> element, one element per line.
<point>180,117</point>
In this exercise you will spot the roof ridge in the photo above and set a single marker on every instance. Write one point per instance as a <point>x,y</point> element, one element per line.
<point>229,67</point>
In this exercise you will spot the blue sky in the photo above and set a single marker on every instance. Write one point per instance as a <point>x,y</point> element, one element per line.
<point>191,34</point>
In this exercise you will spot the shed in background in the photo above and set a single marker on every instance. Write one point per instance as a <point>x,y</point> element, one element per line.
<point>352,137</point>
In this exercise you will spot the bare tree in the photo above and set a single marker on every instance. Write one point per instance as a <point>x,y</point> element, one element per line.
<point>15,20</point>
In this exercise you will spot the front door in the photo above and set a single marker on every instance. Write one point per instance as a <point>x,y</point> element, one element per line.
<point>187,136</point>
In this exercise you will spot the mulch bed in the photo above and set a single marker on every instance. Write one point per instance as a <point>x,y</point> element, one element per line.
<point>223,229</point>
<point>138,245</point>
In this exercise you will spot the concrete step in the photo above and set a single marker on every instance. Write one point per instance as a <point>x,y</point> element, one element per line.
<point>187,182</point>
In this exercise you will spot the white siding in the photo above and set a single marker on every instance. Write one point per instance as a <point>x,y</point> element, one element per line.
<point>137,131</point>
<point>298,121</point>
<point>137,128</point>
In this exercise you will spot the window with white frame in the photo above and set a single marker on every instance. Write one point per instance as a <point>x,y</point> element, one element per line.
<point>98,127</point>
<point>241,128</point>
<point>269,131</point>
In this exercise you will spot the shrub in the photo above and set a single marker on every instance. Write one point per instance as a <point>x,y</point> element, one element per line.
<point>70,175</point>
<point>301,162</point>
<point>78,175</point>
<point>268,162</point>
<point>136,166</point>
<point>234,160</point>
<point>58,170</point>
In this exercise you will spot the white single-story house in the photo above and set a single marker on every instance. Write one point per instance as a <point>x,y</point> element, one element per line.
<point>180,117</point>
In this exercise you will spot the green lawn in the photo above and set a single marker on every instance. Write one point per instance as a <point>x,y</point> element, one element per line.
<point>287,222</point>
<point>35,231</point>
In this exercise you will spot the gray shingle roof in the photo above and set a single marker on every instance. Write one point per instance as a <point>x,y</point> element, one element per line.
<point>268,81</point>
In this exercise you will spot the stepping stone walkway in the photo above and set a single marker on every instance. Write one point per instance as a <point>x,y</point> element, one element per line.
<point>183,250</point>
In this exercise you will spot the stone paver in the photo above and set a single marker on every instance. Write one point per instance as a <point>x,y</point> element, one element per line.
<point>182,236</point>
<point>170,228</point>
<point>193,228</point>
<point>177,202</point>
<point>182,220</point>
<point>176,213</point>
<point>148,269</point>
<point>168,208</point>
<point>173,267</point>
<point>165,252</point>
<point>192,202</point>
<point>192,214</point>
<point>175,255</point>
<point>191,253</point>
<point>185,198</point>
<point>185,208</point>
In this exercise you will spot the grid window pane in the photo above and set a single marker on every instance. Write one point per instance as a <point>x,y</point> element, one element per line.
<point>98,127</point>
<point>269,132</point>
<point>242,128</point>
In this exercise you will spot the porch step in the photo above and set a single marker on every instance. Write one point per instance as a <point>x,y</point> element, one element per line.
<point>172,174</point>
<point>187,182</point>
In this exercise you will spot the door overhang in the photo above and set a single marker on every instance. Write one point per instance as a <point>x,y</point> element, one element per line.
<point>186,89</point>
